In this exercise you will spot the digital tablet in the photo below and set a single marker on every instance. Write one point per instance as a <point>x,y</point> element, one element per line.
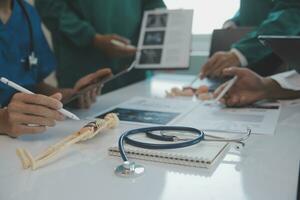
<point>222,39</point>
<point>286,47</point>
<point>100,83</point>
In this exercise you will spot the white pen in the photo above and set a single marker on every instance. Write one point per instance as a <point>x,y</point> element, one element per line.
<point>230,83</point>
<point>24,90</point>
<point>194,80</point>
<point>121,44</point>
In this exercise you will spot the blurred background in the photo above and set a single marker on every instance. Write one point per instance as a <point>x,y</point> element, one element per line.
<point>203,25</point>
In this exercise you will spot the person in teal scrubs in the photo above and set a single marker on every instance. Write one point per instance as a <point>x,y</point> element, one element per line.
<point>26,59</point>
<point>270,17</point>
<point>82,32</point>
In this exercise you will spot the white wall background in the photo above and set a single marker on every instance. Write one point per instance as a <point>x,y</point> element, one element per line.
<point>208,14</point>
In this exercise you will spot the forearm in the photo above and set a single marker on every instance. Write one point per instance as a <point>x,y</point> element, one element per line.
<point>275,91</point>
<point>282,22</point>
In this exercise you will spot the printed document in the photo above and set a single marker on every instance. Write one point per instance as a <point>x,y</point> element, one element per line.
<point>155,111</point>
<point>260,118</point>
<point>165,39</point>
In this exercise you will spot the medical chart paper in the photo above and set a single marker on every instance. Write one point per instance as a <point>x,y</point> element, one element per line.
<point>153,111</point>
<point>165,39</point>
<point>261,118</point>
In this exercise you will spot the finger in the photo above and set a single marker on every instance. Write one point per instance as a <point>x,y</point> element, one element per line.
<point>125,51</point>
<point>94,95</point>
<point>233,100</point>
<point>57,96</point>
<point>223,101</point>
<point>30,119</point>
<point>236,71</point>
<point>99,89</point>
<point>87,100</point>
<point>38,99</point>
<point>217,73</point>
<point>205,69</point>
<point>91,78</point>
<point>102,73</point>
<point>36,110</point>
<point>19,130</point>
<point>243,101</point>
<point>209,66</point>
<point>219,90</point>
<point>81,103</point>
<point>84,82</point>
<point>121,39</point>
<point>219,66</point>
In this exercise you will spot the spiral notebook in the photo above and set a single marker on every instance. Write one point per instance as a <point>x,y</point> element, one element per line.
<point>204,154</point>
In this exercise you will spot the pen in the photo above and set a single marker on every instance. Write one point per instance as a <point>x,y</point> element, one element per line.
<point>230,83</point>
<point>121,44</point>
<point>21,89</point>
<point>132,65</point>
<point>194,80</point>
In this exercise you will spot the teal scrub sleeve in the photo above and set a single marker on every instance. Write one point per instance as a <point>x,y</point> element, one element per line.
<point>58,16</point>
<point>236,18</point>
<point>283,22</point>
<point>153,4</point>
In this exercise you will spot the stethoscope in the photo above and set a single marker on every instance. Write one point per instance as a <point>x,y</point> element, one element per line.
<point>30,61</point>
<point>131,169</point>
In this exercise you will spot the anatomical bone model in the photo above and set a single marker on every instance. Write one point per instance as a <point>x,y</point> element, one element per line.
<point>87,132</point>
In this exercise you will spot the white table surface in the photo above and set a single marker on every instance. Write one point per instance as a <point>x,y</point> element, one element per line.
<point>266,169</point>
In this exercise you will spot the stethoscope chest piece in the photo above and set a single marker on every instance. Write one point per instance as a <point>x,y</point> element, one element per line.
<point>129,169</point>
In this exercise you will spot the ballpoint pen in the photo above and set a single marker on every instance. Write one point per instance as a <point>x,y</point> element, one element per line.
<point>193,81</point>
<point>21,89</point>
<point>229,84</point>
<point>121,44</point>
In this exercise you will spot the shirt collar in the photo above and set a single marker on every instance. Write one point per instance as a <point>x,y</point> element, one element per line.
<point>16,9</point>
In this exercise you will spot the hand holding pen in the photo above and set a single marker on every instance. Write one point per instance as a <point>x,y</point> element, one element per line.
<point>248,88</point>
<point>31,113</point>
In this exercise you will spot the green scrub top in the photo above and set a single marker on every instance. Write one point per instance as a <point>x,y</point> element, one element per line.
<point>270,17</point>
<point>253,12</point>
<point>74,23</point>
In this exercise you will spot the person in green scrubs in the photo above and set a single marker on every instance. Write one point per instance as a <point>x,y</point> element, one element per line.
<point>269,17</point>
<point>82,31</point>
<point>251,13</point>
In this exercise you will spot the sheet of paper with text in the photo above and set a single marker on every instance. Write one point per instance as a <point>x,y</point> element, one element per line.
<point>165,39</point>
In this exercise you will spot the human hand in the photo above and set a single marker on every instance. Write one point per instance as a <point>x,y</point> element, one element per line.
<point>217,63</point>
<point>249,87</point>
<point>89,97</point>
<point>104,42</point>
<point>30,113</point>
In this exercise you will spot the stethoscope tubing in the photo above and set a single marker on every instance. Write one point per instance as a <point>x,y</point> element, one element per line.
<point>124,138</point>
<point>201,137</point>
